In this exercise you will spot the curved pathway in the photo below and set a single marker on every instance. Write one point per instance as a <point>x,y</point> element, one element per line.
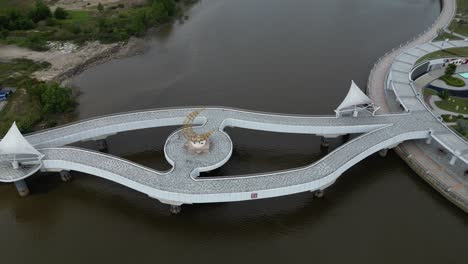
<point>180,185</point>
<point>389,82</point>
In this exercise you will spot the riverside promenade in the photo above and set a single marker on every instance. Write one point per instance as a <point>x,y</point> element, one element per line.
<point>389,85</point>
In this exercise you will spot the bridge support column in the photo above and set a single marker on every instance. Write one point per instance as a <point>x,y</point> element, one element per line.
<point>22,188</point>
<point>102,145</point>
<point>325,143</point>
<point>429,140</point>
<point>383,152</point>
<point>319,193</point>
<point>65,176</point>
<point>453,160</point>
<point>175,209</point>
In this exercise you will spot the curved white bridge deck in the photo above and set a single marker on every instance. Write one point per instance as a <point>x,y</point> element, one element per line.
<point>180,185</point>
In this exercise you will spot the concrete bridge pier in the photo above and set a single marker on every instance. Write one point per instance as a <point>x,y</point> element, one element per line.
<point>65,176</point>
<point>319,193</point>
<point>175,209</point>
<point>383,152</point>
<point>429,140</point>
<point>102,145</point>
<point>453,160</point>
<point>22,188</point>
<point>325,142</point>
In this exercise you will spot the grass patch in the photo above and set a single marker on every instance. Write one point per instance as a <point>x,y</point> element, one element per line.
<point>451,118</point>
<point>453,81</point>
<point>22,108</point>
<point>33,101</point>
<point>462,6</point>
<point>13,72</point>
<point>444,35</point>
<point>8,4</point>
<point>427,92</point>
<point>446,53</point>
<point>460,23</point>
<point>451,105</point>
<point>78,17</point>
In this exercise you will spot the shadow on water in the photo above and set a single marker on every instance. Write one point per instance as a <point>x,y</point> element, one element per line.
<point>260,152</point>
<point>232,219</point>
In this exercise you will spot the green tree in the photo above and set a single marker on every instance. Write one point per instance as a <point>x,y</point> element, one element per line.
<point>462,126</point>
<point>15,20</point>
<point>450,69</point>
<point>53,98</point>
<point>40,12</point>
<point>100,8</point>
<point>60,13</point>
<point>158,12</point>
<point>444,94</point>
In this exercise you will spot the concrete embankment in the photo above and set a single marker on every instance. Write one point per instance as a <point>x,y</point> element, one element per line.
<point>415,156</point>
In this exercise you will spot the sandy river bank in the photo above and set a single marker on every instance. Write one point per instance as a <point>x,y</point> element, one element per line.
<point>68,60</point>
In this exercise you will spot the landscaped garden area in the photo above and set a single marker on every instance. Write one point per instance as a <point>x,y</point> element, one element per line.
<point>454,104</point>
<point>457,123</point>
<point>451,80</point>
<point>460,22</point>
<point>446,53</point>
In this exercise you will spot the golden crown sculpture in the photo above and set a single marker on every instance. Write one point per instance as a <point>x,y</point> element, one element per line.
<point>189,133</point>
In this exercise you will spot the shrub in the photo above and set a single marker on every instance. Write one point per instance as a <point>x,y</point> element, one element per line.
<point>15,20</point>
<point>453,81</point>
<point>74,29</point>
<point>60,13</point>
<point>50,22</point>
<point>36,42</point>
<point>26,122</point>
<point>3,33</point>
<point>450,69</point>
<point>444,94</point>
<point>462,127</point>
<point>40,12</point>
<point>53,98</point>
<point>100,7</point>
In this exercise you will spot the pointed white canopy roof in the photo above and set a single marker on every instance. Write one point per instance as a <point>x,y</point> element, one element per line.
<point>354,97</point>
<point>15,143</point>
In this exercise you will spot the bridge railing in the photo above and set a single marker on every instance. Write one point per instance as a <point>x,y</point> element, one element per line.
<point>188,108</point>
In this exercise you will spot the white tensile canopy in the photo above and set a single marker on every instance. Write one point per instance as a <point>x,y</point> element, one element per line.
<point>15,144</point>
<point>354,100</point>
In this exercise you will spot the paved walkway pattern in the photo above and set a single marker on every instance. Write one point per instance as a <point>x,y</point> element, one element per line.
<point>182,185</point>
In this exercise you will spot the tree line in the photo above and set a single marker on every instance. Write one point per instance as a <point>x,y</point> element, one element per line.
<point>105,25</point>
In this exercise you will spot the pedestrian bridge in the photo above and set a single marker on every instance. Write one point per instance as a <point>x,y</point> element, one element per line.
<point>181,184</point>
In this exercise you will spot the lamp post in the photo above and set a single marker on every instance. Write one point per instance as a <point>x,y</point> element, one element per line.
<point>443,44</point>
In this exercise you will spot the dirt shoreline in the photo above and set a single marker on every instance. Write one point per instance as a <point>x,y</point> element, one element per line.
<point>133,47</point>
<point>65,64</point>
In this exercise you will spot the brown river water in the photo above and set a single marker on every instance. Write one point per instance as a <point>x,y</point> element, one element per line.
<point>291,56</point>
